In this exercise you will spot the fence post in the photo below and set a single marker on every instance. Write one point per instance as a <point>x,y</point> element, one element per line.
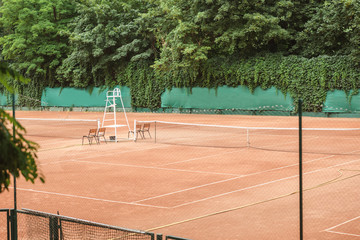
<point>159,237</point>
<point>53,228</point>
<point>8,222</point>
<point>13,224</point>
<point>300,173</point>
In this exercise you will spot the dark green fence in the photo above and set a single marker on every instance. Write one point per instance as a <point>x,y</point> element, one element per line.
<point>4,224</point>
<point>39,225</point>
<point>223,100</point>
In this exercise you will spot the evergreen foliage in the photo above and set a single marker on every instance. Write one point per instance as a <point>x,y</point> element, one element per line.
<point>302,47</point>
<point>33,40</point>
<point>104,39</point>
<point>17,154</point>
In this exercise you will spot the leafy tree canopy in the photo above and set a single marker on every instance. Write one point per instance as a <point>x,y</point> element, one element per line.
<point>187,43</point>
<point>34,35</point>
<point>104,38</point>
<point>17,155</point>
<point>190,32</point>
<point>333,29</point>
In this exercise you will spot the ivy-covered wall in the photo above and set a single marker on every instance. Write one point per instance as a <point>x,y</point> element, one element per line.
<point>308,79</point>
<point>225,100</point>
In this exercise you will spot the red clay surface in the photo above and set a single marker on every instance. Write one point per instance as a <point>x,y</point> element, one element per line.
<point>197,192</point>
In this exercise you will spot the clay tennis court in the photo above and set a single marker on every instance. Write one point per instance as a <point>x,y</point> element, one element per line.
<point>205,186</point>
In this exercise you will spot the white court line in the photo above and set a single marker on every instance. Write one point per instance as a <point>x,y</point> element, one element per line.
<point>89,198</point>
<point>188,203</point>
<point>102,155</point>
<point>187,189</point>
<point>238,176</point>
<point>198,158</point>
<point>347,234</point>
<point>57,162</point>
<point>242,149</point>
<point>252,174</point>
<point>295,164</point>
<point>205,185</point>
<point>159,168</point>
<point>259,185</point>
<point>342,223</point>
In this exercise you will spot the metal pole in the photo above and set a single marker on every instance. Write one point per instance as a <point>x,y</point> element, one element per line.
<point>135,134</point>
<point>300,172</point>
<point>14,222</point>
<point>114,102</point>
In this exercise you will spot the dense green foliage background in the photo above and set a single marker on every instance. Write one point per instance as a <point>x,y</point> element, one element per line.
<point>17,154</point>
<point>304,47</point>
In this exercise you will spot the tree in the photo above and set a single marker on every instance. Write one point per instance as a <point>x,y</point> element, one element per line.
<point>190,32</point>
<point>33,39</point>
<point>17,155</point>
<point>333,29</point>
<point>104,40</point>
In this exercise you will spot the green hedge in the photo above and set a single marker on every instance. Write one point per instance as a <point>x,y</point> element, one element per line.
<point>309,79</point>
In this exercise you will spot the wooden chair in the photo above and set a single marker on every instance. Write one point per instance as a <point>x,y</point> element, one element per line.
<point>91,135</point>
<point>138,130</point>
<point>101,134</point>
<point>146,128</point>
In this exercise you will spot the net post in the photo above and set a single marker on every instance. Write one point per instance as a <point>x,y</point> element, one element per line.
<point>300,172</point>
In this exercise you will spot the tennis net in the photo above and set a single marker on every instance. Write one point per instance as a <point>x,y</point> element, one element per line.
<point>58,128</point>
<point>315,140</point>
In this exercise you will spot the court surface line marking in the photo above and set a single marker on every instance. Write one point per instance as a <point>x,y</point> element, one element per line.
<point>103,154</point>
<point>328,229</point>
<point>259,185</point>
<point>343,233</point>
<point>226,180</point>
<point>162,207</point>
<point>293,165</point>
<point>205,185</point>
<point>57,162</point>
<point>206,172</point>
<point>82,146</point>
<point>200,186</point>
<point>198,158</point>
<point>89,198</point>
<point>159,168</point>
<point>243,149</point>
<point>187,189</point>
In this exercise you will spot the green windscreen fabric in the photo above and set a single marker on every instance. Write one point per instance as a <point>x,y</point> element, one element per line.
<point>76,97</point>
<point>227,98</point>
<point>3,100</point>
<point>338,101</point>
